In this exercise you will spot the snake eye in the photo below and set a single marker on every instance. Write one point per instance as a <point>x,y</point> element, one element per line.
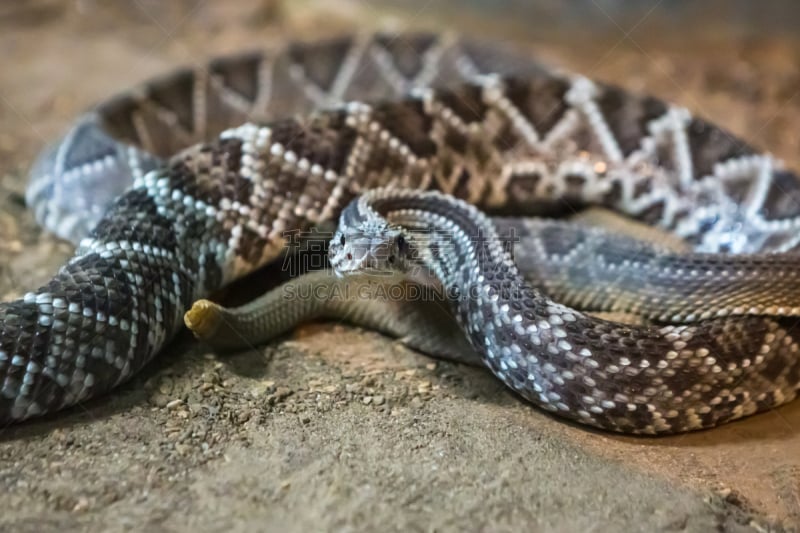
<point>341,240</point>
<point>401,242</point>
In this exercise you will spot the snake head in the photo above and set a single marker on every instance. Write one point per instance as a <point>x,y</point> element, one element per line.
<point>371,249</point>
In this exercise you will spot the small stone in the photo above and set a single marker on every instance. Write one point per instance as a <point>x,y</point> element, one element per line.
<point>166,386</point>
<point>283,392</point>
<point>81,505</point>
<point>182,449</point>
<point>210,377</point>
<point>262,389</point>
<point>159,400</point>
<point>378,400</point>
<point>366,400</point>
<point>174,404</point>
<point>305,418</point>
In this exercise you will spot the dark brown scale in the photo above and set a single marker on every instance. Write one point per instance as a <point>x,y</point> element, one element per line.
<point>628,117</point>
<point>116,117</point>
<point>239,73</point>
<point>523,185</point>
<point>466,103</point>
<point>170,93</point>
<point>409,123</point>
<point>321,62</point>
<point>711,144</point>
<point>642,187</point>
<point>407,52</point>
<point>465,187</point>
<point>455,140</point>
<point>506,139</point>
<point>783,197</point>
<point>652,214</point>
<point>614,195</point>
<point>540,99</point>
<point>574,185</point>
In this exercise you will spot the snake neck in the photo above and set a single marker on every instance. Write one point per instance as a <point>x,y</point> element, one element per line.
<point>448,237</point>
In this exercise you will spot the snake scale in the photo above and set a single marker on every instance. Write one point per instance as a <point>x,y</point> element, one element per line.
<point>193,180</point>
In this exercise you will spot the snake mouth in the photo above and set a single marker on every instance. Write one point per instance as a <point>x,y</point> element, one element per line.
<point>362,268</point>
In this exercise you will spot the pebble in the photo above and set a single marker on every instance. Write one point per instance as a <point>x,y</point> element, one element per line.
<point>283,392</point>
<point>81,505</point>
<point>174,404</point>
<point>280,394</point>
<point>378,400</point>
<point>182,449</point>
<point>210,378</point>
<point>159,400</point>
<point>166,385</point>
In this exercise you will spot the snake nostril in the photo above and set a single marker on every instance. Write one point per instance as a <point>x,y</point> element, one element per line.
<point>349,256</point>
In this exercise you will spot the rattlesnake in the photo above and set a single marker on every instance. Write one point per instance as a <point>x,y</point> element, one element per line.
<point>471,119</point>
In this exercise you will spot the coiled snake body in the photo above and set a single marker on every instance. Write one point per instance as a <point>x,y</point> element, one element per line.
<point>500,132</point>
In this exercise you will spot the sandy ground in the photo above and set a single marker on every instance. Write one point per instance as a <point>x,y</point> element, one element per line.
<point>336,428</point>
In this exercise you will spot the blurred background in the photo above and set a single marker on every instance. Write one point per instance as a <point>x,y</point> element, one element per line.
<point>596,17</point>
<point>68,54</point>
